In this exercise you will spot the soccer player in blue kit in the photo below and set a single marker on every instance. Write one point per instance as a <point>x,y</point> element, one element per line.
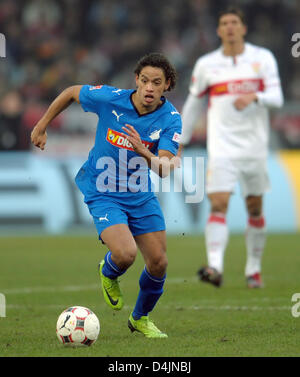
<point>138,130</point>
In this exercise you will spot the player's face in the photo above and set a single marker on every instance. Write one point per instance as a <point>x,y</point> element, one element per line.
<point>151,84</point>
<point>231,29</point>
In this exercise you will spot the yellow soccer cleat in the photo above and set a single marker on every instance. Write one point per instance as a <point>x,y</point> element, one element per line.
<point>111,290</point>
<point>146,327</point>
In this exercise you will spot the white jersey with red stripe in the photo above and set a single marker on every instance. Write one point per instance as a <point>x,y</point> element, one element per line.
<point>236,133</point>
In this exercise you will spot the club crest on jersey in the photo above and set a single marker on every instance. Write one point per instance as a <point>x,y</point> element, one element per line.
<point>155,135</point>
<point>119,140</point>
<point>256,67</point>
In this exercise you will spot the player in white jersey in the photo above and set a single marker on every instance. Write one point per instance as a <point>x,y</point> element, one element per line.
<point>241,81</point>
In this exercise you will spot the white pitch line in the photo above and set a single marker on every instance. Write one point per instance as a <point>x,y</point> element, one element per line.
<point>66,288</point>
<point>236,308</point>
<point>176,280</point>
<point>177,308</point>
<point>72,288</point>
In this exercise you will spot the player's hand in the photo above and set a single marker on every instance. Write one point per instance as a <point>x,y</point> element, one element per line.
<point>243,101</point>
<point>39,137</point>
<point>134,138</point>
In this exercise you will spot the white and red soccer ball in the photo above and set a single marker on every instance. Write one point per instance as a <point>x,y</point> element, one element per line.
<point>77,326</point>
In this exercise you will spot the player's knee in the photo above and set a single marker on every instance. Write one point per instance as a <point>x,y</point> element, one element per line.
<point>218,203</point>
<point>158,265</point>
<point>254,206</point>
<point>254,212</point>
<point>126,257</point>
<point>219,206</point>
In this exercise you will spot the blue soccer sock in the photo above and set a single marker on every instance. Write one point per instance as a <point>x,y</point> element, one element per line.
<point>151,288</point>
<point>110,269</point>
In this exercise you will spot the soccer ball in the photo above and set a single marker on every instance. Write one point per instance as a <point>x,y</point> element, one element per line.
<point>77,326</point>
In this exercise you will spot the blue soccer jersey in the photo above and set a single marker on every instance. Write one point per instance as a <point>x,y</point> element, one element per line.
<point>113,169</point>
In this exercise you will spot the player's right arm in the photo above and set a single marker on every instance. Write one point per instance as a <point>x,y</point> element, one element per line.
<point>61,102</point>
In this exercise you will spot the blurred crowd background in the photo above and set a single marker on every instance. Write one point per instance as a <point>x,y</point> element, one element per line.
<point>52,44</point>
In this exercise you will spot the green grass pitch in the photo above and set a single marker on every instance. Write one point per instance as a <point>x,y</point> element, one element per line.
<point>41,276</point>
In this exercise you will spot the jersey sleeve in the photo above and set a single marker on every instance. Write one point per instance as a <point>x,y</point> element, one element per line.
<point>170,137</point>
<point>191,112</point>
<point>272,95</point>
<point>92,98</point>
<point>198,85</point>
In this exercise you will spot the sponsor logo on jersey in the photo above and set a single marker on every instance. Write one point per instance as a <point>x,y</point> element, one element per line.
<point>95,87</point>
<point>237,87</point>
<point>119,140</point>
<point>176,137</point>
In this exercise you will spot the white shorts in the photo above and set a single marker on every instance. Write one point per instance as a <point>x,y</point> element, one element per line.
<point>222,175</point>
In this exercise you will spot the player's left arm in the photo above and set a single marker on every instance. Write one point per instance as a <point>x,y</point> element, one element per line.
<point>162,164</point>
<point>272,95</point>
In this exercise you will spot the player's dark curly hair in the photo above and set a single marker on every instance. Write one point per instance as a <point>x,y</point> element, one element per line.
<point>158,60</point>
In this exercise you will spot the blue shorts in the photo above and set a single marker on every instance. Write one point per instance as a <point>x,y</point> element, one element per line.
<point>145,218</point>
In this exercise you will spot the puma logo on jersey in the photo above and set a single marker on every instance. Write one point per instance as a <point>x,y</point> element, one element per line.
<point>117,91</point>
<point>174,112</point>
<point>104,218</point>
<point>155,135</point>
<point>118,116</point>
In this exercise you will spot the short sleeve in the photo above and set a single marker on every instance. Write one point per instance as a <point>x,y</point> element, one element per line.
<point>92,98</point>
<point>170,137</point>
